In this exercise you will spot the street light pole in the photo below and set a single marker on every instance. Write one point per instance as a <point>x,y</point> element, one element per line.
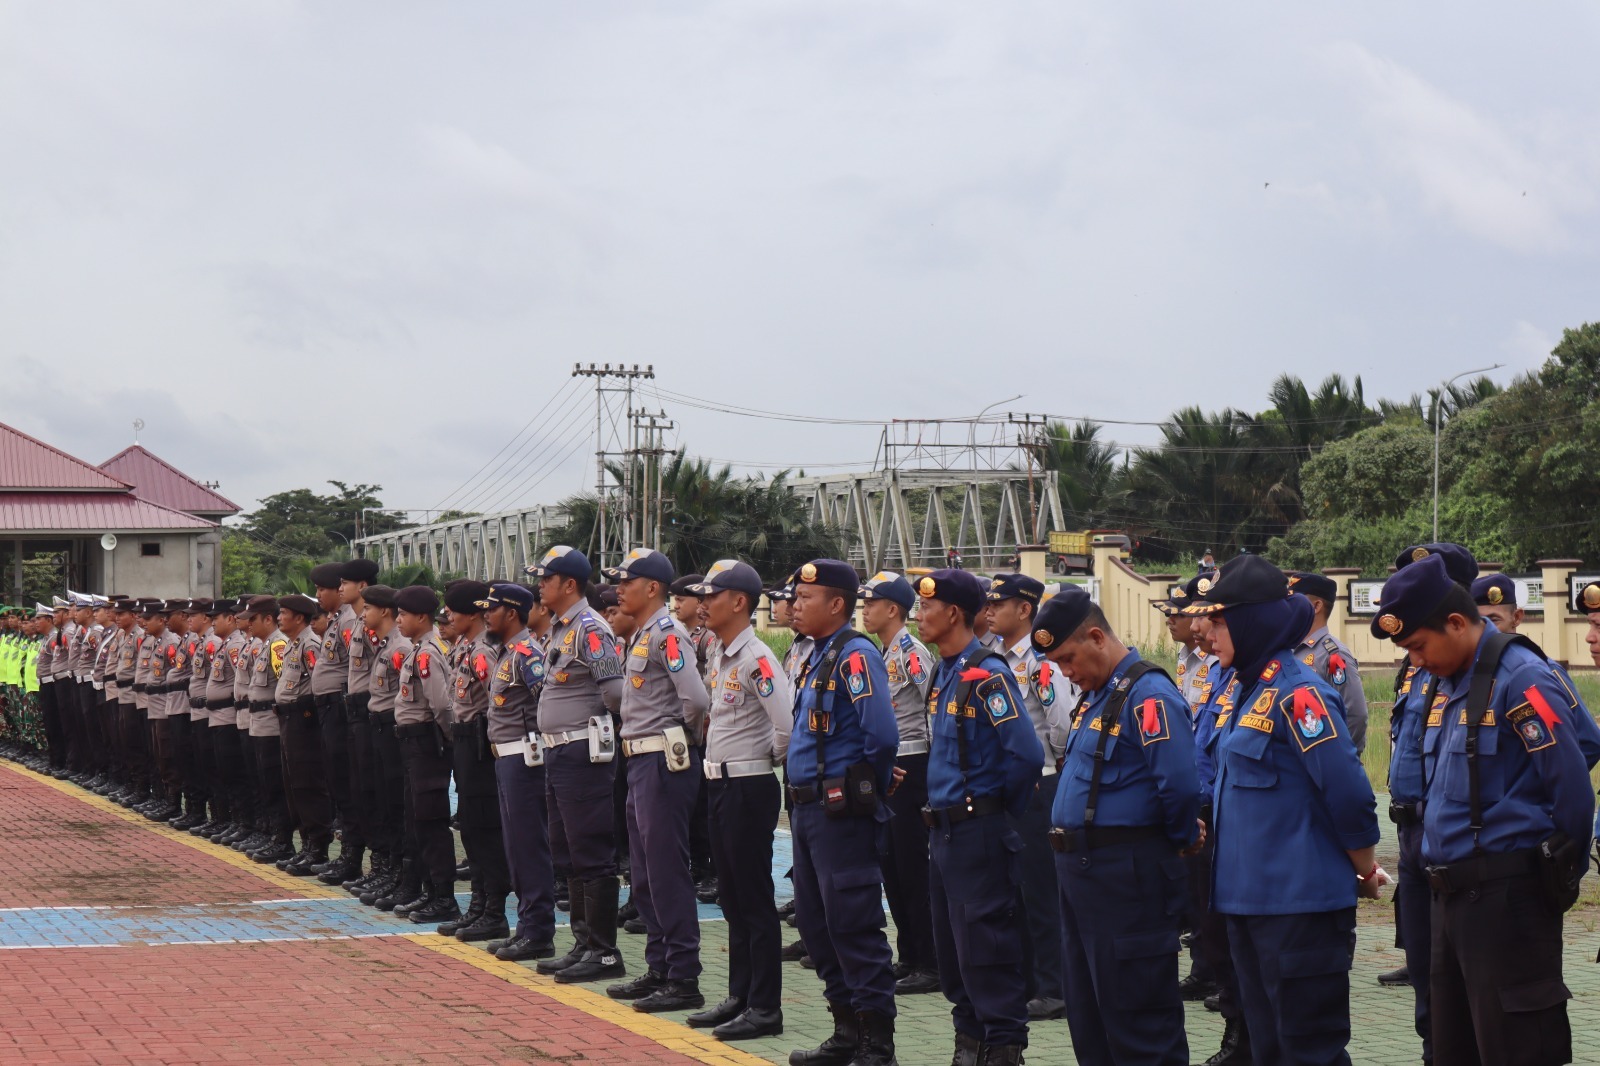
<point>1438,402</point>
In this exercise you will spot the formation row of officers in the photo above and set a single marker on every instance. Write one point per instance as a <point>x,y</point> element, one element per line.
<point>1044,810</point>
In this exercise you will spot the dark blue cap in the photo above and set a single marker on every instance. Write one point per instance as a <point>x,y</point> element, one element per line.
<point>1411,596</point>
<point>643,562</point>
<point>729,575</point>
<point>1060,617</point>
<point>505,594</point>
<point>1242,580</point>
<point>830,573</point>
<point>887,585</point>
<point>964,590</point>
<point>1458,562</point>
<point>1492,590</point>
<point>1015,587</point>
<point>1180,596</point>
<point>781,593</point>
<point>1318,585</point>
<point>1589,598</point>
<point>562,561</point>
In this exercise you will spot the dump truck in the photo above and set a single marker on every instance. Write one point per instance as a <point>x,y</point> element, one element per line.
<point>1071,552</point>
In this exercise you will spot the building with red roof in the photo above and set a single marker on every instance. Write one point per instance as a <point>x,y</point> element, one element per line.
<point>135,524</point>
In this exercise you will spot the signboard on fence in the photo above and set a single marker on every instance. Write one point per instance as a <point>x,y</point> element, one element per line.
<point>1366,595</point>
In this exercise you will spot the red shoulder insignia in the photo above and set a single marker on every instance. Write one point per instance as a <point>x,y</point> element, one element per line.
<point>399,659</point>
<point>422,663</point>
<point>765,668</point>
<point>311,658</point>
<point>858,664</point>
<point>211,647</point>
<point>974,673</point>
<point>172,653</point>
<point>522,647</point>
<point>1542,707</point>
<point>347,635</point>
<point>595,643</point>
<point>480,666</point>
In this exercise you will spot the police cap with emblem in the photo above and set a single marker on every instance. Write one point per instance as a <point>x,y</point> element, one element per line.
<point>562,561</point>
<point>516,597</point>
<point>327,575</point>
<point>957,587</point>
<point>220,607</point>
<point>1589,598</point>
<point>1242,580</point>
<point>1015,587</point>
<point>1411,597</point>
<point>1318,585</point>
<point>829,573</point>
<point>263,605</point>
<point>300,604</point>
<point>417,599</point>
<point>378,596</point>
<point>1060,616</point>
<point>200,606</point>
<point>781,593</point>
<point>645,563</point>
<point>1178,597</point>
<point>729,575</point>
<point>1459,563</point>
<point>466,597</point>
<point>1493,590</point>
<point>686,585</point>
<point>887,585</point>
<point>358,570</point>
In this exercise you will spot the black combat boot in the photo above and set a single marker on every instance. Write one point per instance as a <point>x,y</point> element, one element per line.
<point>839,1048</point>
<point>877,1042</point>
<point>474,912</point>
<point>580,935</point>
<point>1235,1050</point>
<point>490,922</point>
<point>602,961</point>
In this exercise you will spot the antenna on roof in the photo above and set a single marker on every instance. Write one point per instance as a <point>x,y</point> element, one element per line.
<point>138,424</point>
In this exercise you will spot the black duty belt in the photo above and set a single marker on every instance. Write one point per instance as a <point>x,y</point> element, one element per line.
<point>219,705</point>
<point>1067,841</point>
<point>198,703</point>
<point>328,699</point>
<point>1470,873</point>
<point>803,794</point>
<point>413,729</point>
<point>1405,814</point>
<point>975,808</point>
<point>299,706</point>
<point>261,705</point>
<point>469,729</point>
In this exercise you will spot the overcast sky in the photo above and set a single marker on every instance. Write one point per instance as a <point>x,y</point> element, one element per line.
<point>367,241</point>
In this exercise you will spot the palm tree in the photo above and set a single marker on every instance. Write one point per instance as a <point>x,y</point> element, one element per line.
<point>1085,467</point>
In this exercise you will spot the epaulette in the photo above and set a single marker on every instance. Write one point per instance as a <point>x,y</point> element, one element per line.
<point>904,640</point>
<point>1329,644</point>
<point>665,623</point>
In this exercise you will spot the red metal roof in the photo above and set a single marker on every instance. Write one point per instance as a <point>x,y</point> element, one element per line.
<point>26,463</point>
<point>156,480</point>
<point>98,512</point>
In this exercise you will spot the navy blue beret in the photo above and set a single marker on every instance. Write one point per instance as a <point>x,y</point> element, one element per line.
<point>958,587</point>
<point>359,570</point>
<point>1458,562</point>
<point>887,585</point>
<point>417,599</point>
<point>1492,590</point>
<point>1411,596</point>
<point>1060,616</point>
<point>467,597</point>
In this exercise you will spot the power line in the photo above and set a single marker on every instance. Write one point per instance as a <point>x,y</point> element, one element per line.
<point>478,479</point>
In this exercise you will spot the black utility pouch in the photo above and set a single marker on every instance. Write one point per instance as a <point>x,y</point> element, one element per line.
<point>1561,865</point>
<point>861,785</point>
<point>836,797</point>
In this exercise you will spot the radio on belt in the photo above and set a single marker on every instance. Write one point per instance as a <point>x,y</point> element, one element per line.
<point>602,741</point>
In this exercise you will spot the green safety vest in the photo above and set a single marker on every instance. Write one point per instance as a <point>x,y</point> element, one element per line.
<point>30,666</point>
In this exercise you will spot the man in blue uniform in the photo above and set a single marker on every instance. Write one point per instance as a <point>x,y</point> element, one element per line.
<point>1506,823</point>
<point>1126,812</point>
<point>983,767</point>
<point>840,764</point>
<point>1295,821</point>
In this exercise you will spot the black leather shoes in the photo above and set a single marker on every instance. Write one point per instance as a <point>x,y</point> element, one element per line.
<point>1195,989</point>
<point>726,1011</point>
<point>1046,1008</point>
<point>594,966</point>
<point>435,910</point>
<point>637,988</point>
<point>522,949</point>
<point>1395,978</point>
<point>917,983</point>
<point>750,1025</point>
<point>672,995</point>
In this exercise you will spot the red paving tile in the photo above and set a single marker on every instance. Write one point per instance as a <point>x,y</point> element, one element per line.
<point>363,1001</point>
<point>58,851</point>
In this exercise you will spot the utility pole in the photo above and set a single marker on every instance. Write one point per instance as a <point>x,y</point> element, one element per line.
<point>1030,445</point>
<point>625,375</point>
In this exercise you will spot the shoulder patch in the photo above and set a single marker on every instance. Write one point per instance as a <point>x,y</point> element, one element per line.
<point>764,675</point>
<point>1153,723</point>
<point>674,654</point>
<point>997,702</point>
<point>1272,670</point>
<point>1312,722</point>
<point>1531,728</point>
<point>856,679</point>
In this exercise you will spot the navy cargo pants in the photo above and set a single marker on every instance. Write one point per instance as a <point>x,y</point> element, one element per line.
<point>660,804</point>
<point>1294,983</point>
<point>838,902</point>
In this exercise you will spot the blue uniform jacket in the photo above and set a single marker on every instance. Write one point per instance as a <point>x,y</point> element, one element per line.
<point>852,708</point>
<point>1004,756</point>
<point>1532,779</point>
<point>1291,798</point>
<point>1584,725</point>
<point>1149,776</point>
<point>1221,699</point>
<point>1406,784</point>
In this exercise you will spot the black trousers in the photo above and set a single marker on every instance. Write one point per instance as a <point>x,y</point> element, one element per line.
<point>334,732</point>
<point>743,814</point>
<point>355,812</point>
<point>903,854</point>
<point>181,752</point>
<point>269,784</point>
<point>200,790</point>
<point>1497,992</point>
<point>583,826</point>
<point>388,805</point>
<point>247,797</point>
<point>163,747</point>
<point>97,737</point>
<point>427,760</point>
<point>77,724</point>
<point>304,776</point>
<point>55,733</point>
<point>478,807</point>
<point>131,757</point>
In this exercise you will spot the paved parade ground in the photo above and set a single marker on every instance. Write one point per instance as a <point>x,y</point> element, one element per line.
<point>128,942</point>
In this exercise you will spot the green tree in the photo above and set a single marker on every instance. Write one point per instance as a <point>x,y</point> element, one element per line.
<point>302,523</point>
<point>244,568</point>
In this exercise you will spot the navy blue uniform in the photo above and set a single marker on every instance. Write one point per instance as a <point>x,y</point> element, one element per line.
<point>838,883</point>
<point>985,762</point>
<point>1122,883</point>
<point>1291,800</point>
<point>1412,897</point>
<point>1219,696</point>
<point>1497,993</point>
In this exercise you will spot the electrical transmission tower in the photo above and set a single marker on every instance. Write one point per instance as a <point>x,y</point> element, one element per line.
<point>614,501</point>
